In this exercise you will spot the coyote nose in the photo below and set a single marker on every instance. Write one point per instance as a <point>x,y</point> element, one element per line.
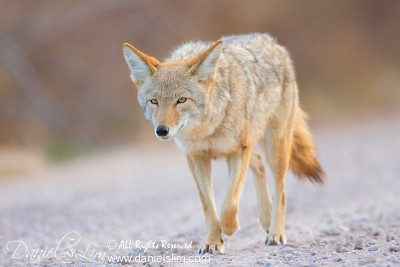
<point>162,130</point>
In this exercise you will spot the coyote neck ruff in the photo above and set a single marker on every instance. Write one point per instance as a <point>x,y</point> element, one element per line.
<point>219,100</point>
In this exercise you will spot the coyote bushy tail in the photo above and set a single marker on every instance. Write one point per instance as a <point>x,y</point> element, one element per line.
<point>304,162</point>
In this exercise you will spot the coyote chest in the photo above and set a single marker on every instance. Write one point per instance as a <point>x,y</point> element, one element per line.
<point>215,146</point>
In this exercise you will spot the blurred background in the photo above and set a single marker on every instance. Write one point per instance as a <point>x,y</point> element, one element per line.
<point>65,90</point>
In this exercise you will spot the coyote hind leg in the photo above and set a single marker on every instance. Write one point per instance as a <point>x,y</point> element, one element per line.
<point>278,151</point>
<point>264,201</point>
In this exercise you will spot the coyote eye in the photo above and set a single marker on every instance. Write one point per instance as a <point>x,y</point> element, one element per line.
<point>181,100</point>
<point>154,101</point>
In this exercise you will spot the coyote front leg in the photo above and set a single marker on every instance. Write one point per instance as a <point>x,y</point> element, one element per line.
<point>200,167</point>
<point>238,163</point>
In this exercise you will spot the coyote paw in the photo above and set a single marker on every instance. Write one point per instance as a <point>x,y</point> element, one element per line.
<point>230,222</point>
<point>275,239</point>
<point>212,248</point>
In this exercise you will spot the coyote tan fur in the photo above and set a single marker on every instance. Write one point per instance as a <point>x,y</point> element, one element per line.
<point>218,100</point>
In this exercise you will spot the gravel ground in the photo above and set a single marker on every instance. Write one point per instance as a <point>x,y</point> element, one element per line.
<point>146,194</point>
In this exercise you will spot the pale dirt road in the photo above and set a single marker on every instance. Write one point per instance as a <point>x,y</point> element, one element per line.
<point>148,194</point>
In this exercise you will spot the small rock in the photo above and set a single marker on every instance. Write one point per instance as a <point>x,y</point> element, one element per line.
<point>372,248</point>
<point>341,249</point>
<point>330,232</point>
<point>358,245</point>
<point>337,259</point>
<point>286,250</point>
<point>313,254</point>
<point>289,257</point>
<point>347,244</point>
<point>344,228</point>
<point>297,253</point>
<point>259,262</point>
<point>377,232</point>
<point>366,261</point>
<point>322,242</point>
<point>394,249</point>
<point>389,237</point>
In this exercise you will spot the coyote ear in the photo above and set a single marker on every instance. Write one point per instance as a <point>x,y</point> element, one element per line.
<point>141,65</point>
<point>204,65</point>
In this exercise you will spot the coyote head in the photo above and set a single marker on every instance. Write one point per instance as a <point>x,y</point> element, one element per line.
<point>173,95</point>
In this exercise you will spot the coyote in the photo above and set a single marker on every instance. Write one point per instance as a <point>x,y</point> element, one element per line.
<point>218,100</point>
